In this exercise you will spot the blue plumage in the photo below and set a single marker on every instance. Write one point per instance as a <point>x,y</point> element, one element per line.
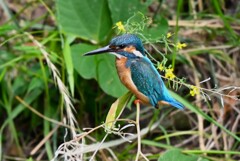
<point>137,72</point>
<point>150,83</point>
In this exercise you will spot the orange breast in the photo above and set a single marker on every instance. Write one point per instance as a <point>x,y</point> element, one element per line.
<point>125,77</point>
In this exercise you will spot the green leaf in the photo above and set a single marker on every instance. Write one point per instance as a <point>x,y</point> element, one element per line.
<point>8,59</point>
<point>90,20</point>
<point>121,10</point>
<point>29,159</point>
<point>68,61</point>
<point>85,67</point>
<point>156,144</point>
<point>175,154</point>
<point>116,110</point>
<point>7,27</point>
<point>2,73</point>
<point>34,84</point>
<point>100,67</point>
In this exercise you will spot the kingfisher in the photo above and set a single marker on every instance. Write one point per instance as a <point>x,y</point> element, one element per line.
<point>137,72</point>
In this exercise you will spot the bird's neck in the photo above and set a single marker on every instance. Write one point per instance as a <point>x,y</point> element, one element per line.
<point>121,62</point>
<point>124,61</point>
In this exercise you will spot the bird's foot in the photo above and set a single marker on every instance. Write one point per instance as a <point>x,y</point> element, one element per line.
<point>137,101</point>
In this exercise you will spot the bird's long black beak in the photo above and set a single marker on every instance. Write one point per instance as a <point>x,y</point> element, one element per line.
<point>99,51</point>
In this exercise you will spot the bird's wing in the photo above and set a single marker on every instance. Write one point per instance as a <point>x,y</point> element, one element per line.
<point>148,81</point>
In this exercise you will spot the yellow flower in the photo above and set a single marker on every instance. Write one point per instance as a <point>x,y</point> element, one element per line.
<point>169,73</point>
<point>161,67</point>
<point>120,26</point>
<point>194,90</point>
<point>169,34</point>
<point>181,45</point>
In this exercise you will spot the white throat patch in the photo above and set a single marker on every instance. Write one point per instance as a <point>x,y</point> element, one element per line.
<point>117,55</point>
<point>137,53</point>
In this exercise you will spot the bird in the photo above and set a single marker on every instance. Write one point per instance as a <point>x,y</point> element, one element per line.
<point>137,72</point>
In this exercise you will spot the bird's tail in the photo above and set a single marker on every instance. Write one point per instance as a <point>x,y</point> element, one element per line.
<point>176,104</point>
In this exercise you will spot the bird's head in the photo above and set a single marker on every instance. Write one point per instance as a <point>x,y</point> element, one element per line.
<point>127,45</point>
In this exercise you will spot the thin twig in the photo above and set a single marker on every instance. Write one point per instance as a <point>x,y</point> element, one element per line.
<point>211,23</point>
<point>138,132</point>
<point>41,115</point>
<point>200,119</point>
<point>139,151</point>
<point>95,152</point>
<point>43,141</point>
<point>117,142</point>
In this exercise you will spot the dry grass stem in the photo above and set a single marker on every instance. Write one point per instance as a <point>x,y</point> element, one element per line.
<point>212,23</point>
<point>41,115</point>
<point>44,140</point>
<point>63,90</point>
<point>73,147</point>
<point>139,151</point>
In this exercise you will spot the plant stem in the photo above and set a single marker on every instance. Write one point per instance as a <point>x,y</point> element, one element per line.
<point>138,131</point>
<point>139,152</point>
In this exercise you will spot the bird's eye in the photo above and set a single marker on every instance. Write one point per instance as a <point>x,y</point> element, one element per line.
<point>122,46</point>
<point>118,47</point>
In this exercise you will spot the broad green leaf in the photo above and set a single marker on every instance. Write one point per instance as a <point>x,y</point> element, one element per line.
<point>90,20</point>
<point>121,10</point>
<point>116,110</point>
<point>84,65</point>
<point>175,154</point>
<point>100,67</point>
